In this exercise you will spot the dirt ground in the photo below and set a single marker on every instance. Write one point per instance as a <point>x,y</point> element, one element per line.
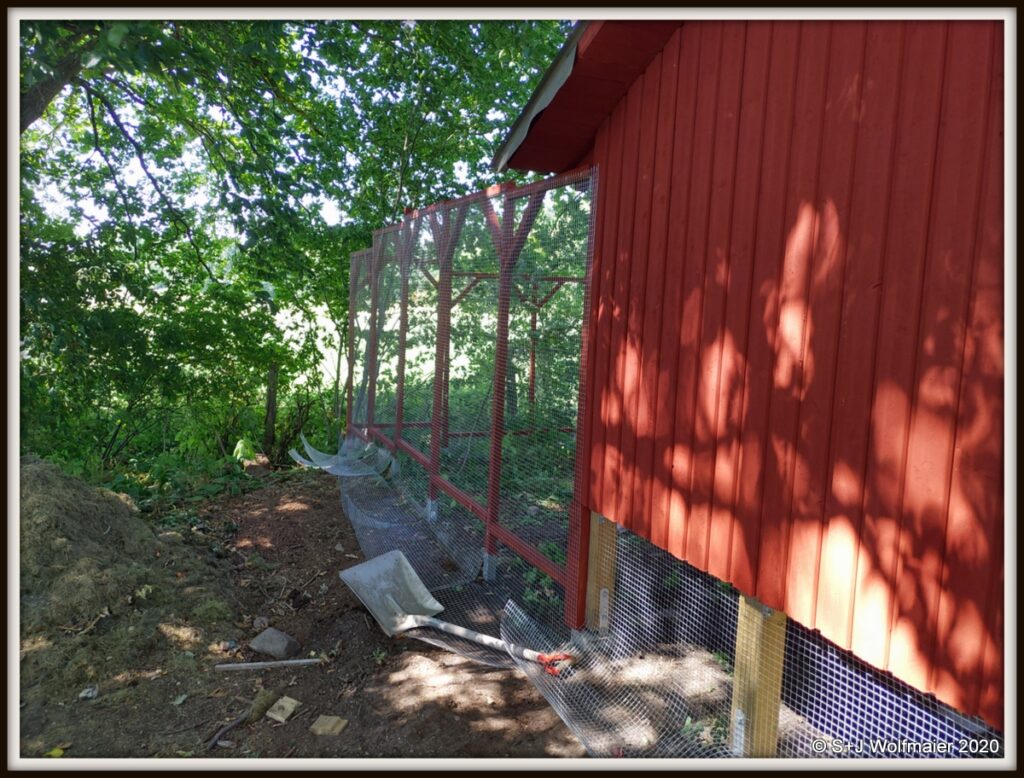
<point>282,546</point>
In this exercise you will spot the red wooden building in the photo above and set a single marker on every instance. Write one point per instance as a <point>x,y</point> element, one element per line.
<point>796,371</point>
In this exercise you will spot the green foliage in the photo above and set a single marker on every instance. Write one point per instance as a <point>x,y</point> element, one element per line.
<point>723,660</point>
<point>709,732</point>
<point>540,588</point>
<point>552,551</point>
<point>244,449</point>
<point>211,610</point>
<point>176,249</point>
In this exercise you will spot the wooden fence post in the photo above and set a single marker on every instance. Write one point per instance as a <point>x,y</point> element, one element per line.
<point>757,684</point>
<point>600,573</point>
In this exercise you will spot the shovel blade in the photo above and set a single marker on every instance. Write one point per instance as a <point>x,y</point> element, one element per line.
<point>390,589</point>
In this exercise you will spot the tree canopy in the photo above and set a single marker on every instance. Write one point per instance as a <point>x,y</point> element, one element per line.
<point>190,194</point>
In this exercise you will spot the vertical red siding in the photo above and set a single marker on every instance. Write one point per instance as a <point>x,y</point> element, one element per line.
<point>870,204</point>
<point>732,394</point>
<point>797,372</point>
<point>693,288</point>
<point>974,532</point>
<point>653,297</point>
<point>665,532</point>
<point>761,329</point>
<point>716,288</point>
<point>636,296</point>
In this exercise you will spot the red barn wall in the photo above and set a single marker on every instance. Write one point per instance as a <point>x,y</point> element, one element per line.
<point>797,372</point>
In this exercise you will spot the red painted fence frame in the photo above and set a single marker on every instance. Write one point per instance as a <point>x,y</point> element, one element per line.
<point>446,220</point>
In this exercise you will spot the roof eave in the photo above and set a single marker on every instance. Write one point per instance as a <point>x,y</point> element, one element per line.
<point>551,82</point>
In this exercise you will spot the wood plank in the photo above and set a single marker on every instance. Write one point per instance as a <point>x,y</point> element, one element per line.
<point>716,292</point>
<point>636,304</point>
<point>841,122</point>
<point>609,194</point>
<point>692,281</point>
<point>860,304</point>
<point>801,223</point>
<point>977,491</point>
<point>654,294</point>
<point>732,381</point>
<point>664,533</point>
<point>914,154</point>
<point>601,567</point>
<point>936,386</point>
<point>619,302</point>
<point>586,452</point>
<point>757,682</point>
<point>761,332</point>
<point>975,514</point>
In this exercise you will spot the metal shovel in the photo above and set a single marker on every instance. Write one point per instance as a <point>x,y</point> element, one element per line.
<point>390,589</point>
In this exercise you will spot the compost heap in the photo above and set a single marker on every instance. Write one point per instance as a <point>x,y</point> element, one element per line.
<point>105,598</point>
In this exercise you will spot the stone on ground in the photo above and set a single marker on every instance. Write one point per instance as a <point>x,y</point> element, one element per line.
<point>275,643</point>
<point>328,725</point>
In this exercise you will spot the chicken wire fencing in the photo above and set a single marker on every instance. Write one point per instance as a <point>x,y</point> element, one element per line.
<point>679,664</point>
<point>466,347</point>
<point>465,342</point>
<point>359,306</point>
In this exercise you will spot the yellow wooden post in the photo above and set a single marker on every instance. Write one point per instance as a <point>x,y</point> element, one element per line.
<point>600,573</point>
<point>757,683</point>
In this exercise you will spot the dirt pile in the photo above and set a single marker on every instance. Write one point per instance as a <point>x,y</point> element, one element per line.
<point>81,548</point>
<point>105,596</point>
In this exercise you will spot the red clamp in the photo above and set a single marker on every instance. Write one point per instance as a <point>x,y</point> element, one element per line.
<point>549,661</point>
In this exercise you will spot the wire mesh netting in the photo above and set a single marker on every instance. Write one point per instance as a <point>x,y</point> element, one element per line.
<point>466,347</point>
<point>360,306</point>
<point>353,459</point>
<point>670,675</point>
<point>479,418</point>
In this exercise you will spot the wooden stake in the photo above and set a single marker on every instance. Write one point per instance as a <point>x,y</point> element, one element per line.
<point>757,685</point>
<point>600,573</point>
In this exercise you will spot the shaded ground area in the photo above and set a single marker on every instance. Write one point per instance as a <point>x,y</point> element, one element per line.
<point>272,553</point>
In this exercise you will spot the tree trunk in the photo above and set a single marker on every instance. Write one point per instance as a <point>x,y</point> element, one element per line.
<point>511,394</point>
<point>270,420</point>
<point>41,94</point>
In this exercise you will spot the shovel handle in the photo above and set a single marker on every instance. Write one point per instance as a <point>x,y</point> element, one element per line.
<point>550,662</point>
<point>478,637</point>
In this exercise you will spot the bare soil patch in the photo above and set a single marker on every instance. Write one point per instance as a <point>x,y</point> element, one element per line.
<point>273,553</point>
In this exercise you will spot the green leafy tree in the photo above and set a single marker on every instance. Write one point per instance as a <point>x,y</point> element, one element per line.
<point>191,192</point>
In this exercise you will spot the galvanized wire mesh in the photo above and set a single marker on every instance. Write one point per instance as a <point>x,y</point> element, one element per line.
<point>386,318</point>
<point>360,307</point>
<point>666,677</point>
<point>468,345</point>
<point>484,292</point>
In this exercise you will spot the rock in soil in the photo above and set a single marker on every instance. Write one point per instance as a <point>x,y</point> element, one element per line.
<point>275,643</point>
<point>328,725</point>
<point>260,623</point>
<point>89,693</point>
